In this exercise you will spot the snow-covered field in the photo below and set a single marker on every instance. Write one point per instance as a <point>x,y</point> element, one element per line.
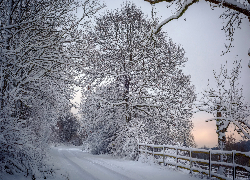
<point>73,164</point>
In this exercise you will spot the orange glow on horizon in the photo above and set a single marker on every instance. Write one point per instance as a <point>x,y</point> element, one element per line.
<point>205,132</point>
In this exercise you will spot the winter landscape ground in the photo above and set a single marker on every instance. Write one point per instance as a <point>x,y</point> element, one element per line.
<point>74,164</point>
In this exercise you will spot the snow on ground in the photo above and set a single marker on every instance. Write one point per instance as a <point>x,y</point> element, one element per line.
<point>74,164</point>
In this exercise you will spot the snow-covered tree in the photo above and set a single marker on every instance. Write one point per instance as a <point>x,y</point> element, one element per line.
<point>235,11</point>
<point>226,103</point>
<point>133,80</point>
<point>36,76</point>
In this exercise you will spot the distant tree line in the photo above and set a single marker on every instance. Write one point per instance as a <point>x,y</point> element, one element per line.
<point>67,131</point>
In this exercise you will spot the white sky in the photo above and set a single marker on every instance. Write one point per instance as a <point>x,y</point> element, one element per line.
<point>203,40</point>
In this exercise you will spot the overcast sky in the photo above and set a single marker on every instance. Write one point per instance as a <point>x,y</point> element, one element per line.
<point>203,40</point>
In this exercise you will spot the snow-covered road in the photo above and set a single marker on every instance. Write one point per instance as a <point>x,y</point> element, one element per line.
<point>71,163</point>
<point>82,165</point>
<point>79,165</point>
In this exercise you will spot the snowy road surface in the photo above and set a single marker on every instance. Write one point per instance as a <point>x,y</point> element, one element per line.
<point>70,163</point>
<point>83,166</point>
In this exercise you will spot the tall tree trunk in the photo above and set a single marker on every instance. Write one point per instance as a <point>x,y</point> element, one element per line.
<point>221,137</point>
<point>126,91</point>
<point>126,97</point>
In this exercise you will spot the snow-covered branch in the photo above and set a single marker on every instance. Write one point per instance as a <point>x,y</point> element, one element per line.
<point>178,14</point>
<point>231,4</point>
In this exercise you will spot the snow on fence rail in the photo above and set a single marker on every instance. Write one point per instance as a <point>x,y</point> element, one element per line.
<point>201,160</point>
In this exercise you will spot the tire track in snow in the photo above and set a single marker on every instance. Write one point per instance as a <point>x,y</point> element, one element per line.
<point>86,175</point>
<point>135,175</point>
<point>117,174</point>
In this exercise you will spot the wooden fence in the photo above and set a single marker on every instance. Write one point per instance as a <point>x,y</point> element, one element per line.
<point>211,164</point>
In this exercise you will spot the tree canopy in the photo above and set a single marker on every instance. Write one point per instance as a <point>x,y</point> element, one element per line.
<point>135,83</point>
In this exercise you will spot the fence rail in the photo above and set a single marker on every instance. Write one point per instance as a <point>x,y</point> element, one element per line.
<point>181,155</point>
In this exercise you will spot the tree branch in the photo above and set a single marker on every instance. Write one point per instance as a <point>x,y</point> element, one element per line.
<point>231,4</point>
<point>234,5</point>
<point>176,16</point>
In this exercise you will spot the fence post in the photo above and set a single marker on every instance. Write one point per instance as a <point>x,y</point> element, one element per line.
<point>163,155</point>
<point>190,160</point>
<point>153,150</point>
<point>234,172</point>
<point>210,166</point>
<point>176,167</point>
